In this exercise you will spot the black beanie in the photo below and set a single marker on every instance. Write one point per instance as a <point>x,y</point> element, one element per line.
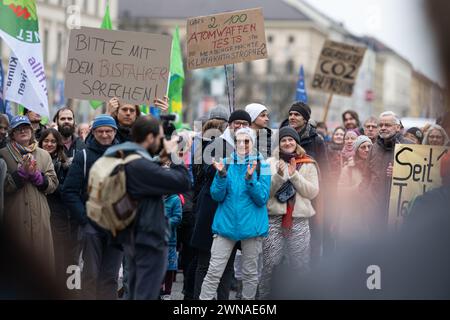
<point>416,132</point>
<point>240,115</point>
<point>288,132</point>
<point>303,109</point>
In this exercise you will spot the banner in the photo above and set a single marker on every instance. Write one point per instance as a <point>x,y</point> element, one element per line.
<point>5,107</point>
<point>102,64</point>
<point>301,94</point>
<point>176,80</point>
<point>416,171</point>
<point>19,28</point>
<point>338,68</point>
<point>225,38</point>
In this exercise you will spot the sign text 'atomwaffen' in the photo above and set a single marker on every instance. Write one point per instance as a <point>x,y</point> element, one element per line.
<point>225,38</point>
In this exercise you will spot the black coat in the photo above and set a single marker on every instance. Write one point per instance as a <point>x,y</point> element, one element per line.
<point>77,145</point>
<point>205,206</point>
<point>148,182</point>
<point>74,192</point>
<point>57,206</point>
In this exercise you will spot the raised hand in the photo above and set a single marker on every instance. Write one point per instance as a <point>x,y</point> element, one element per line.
<point>251,169</point>
<point>281,167</point>
<point>218,165</point>
<point>162,104</point>
<point>113,105</point>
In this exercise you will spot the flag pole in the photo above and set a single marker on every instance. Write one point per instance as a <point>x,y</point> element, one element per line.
<point>327,107</point>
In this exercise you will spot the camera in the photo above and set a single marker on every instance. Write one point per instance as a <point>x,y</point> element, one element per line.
<point>169,126</point>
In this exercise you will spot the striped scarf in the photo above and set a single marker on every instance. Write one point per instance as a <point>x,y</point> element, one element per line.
<point>18,150</point>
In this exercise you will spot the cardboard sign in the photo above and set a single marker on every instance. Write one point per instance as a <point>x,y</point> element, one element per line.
<point>103,64</point>
<point>225,38</point>
<point>338,67</point>
<point>416,171</point>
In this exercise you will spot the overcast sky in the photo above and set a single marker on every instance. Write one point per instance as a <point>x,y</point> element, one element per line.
<point>400,24</point>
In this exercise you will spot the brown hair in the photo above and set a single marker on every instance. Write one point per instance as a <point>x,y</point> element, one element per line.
<point>59,143</point>
<point>354,116</point>
<point>55,118</point>
<point>115,112</point>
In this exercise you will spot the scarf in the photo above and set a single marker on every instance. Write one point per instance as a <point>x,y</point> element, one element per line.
<point>347,152</point>
<point>18,151</point>
<point>287,220</point>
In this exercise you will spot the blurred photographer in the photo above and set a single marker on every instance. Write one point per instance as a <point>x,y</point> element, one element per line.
<point>145,241</point>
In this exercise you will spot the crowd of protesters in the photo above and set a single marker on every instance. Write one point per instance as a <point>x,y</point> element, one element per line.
<point>229,202</point>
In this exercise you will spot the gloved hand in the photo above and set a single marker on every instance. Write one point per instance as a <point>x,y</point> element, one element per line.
<point>22,172</point>
<point>37,178</point>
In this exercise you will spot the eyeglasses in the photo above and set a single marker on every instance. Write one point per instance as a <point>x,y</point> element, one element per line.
<point>370,126</point>
<point>22,129</point>
<point>387,125</point>
<point>238,123</point>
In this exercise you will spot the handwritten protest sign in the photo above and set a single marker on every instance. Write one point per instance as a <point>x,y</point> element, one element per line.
<point>103,64</point>
<point>225,38</point>
<point>338,67</point>
<point>416,170</point>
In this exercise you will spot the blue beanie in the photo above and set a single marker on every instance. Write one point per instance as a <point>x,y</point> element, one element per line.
<point>104,120</point>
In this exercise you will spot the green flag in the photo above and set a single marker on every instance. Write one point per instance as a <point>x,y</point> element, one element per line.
<point>176,79</point>
<point>106,24</point>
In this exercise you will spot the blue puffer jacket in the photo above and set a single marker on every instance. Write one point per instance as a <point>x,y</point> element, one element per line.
<point>173,211</point>
<point>242,211</point>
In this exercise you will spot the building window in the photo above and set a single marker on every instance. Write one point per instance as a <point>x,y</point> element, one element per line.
<point>290,66</point>
<point>46,46</point>
<point>291,39</point>
<point>270,39</point>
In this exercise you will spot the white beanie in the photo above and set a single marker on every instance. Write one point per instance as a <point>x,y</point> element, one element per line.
<point>254,110</point>
<point>247,131</point>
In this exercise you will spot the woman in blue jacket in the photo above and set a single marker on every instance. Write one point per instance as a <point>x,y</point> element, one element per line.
<point>241,187</point>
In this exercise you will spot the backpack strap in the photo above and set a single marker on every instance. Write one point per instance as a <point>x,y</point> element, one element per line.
<point>131,157</point>
<point>85,161</point>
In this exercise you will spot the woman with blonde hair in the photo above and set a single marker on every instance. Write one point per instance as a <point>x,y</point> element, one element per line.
<point>294,184</point>
<point>436,136</point>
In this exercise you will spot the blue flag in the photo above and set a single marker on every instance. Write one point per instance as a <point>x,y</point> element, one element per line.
<point>301,88</point>
<point>5,108</point>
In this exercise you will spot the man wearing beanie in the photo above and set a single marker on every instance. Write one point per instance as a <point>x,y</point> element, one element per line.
<point>202,236</point>
<point>314,145</point>
<point>101,260</point>
<point>415,135</point>
<point>260,119</point>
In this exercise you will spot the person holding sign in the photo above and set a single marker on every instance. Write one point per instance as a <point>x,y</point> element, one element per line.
<point>379,173</point>
<point>126,114</point>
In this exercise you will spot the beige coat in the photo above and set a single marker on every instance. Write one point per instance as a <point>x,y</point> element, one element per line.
<point>306,183</point>
<point>27,214</point>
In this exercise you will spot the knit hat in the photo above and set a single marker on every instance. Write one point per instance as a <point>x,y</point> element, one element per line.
<point>303,109</point>
<point>219,112</point>
<point>104,120</point>
<point>247,131</point>
<point>359,141</point>
<point>240,115</point>
<point>254,110</point>
<point>19,120</point>
<point>288,132</point>
<point>416,132</point>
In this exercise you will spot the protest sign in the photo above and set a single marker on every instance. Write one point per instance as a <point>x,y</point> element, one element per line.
<point>416,171</point>
<point>103,64</point>
<point>225,38</point>
<point>338,67</point>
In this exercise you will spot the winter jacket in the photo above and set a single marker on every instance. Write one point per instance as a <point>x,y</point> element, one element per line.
<point>315,147</point>
<point>377,181</point>
<point>172,205</point>
<point>77,145</point>
<point>55,202</point>
<point>74,192</point>
<point>147,183</point>
<point>26,211</point>
<point>242,211</point>
<point>306,184</point>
